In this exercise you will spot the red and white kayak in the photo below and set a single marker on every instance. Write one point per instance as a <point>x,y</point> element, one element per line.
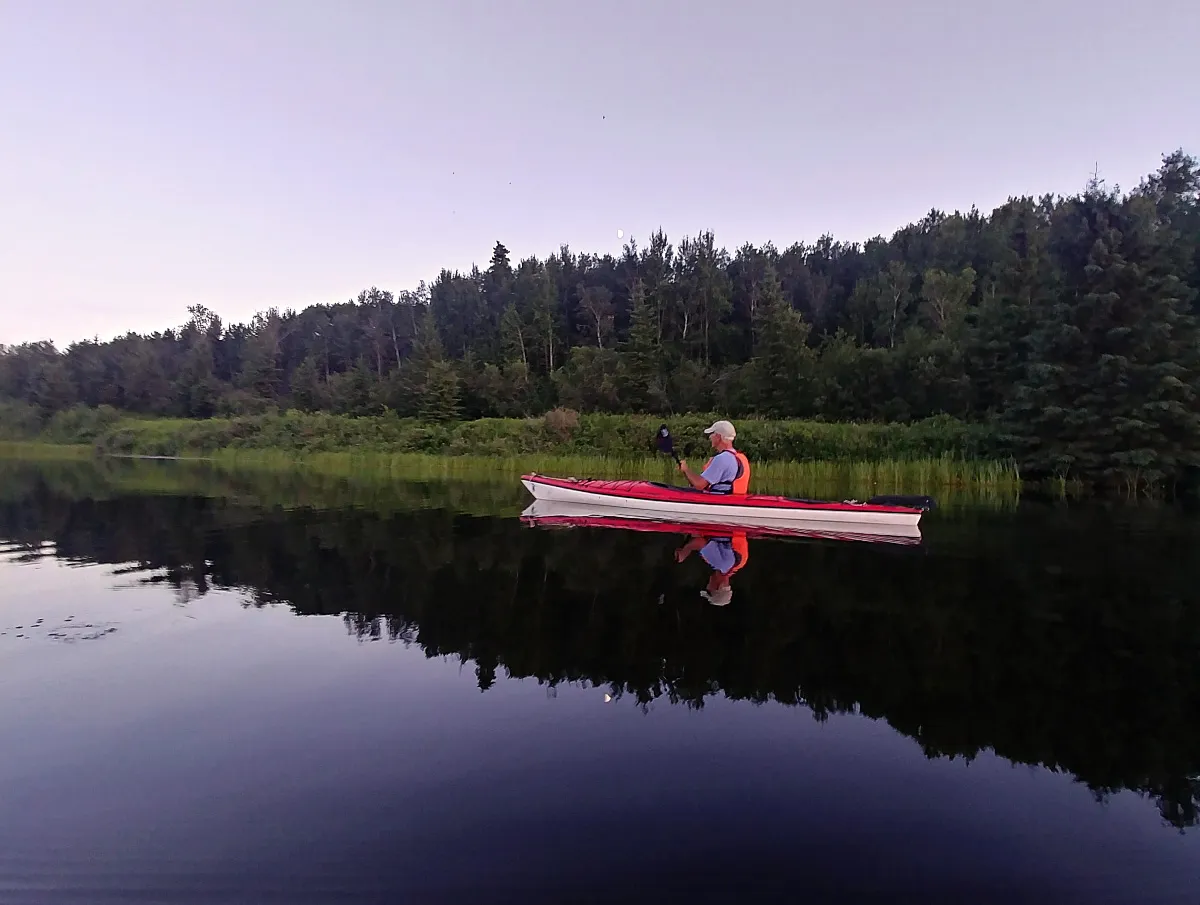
<point>544,514</point>
<point>663,501</point>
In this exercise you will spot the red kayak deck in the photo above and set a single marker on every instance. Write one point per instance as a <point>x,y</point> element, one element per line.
<point>665,493</point>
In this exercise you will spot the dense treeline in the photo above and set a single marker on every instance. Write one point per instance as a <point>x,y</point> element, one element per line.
<point>1070,323</point>
<point>1057,637</point>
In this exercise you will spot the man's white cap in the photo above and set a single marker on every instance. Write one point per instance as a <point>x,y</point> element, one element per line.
<point>724,428</point>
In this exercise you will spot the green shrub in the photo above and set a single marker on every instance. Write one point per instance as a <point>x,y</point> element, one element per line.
<point>19,420</point>
<point>80,424</point>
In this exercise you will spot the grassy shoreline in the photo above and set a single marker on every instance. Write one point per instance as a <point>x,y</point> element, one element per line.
<point>790,457</point>
<point>918,475</point>
<point>559,432</point>
<point>44,449</point>
<point>994,481</point>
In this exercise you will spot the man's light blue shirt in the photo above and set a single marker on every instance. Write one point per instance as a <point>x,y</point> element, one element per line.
<point>722,470</point>
<point>719,555</point>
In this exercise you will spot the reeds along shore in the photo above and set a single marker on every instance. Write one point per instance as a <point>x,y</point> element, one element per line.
<point>911,476</point>
<point>789,456</point>
<point>953,482</point>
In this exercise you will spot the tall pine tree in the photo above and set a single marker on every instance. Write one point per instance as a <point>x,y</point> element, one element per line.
<point>642,387</point>
<point>783,361</point>
<point>1111,388</point>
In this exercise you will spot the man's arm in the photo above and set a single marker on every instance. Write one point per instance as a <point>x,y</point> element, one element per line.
<point>689,548</point>
<point>697,481</point>
<point>722,468</point>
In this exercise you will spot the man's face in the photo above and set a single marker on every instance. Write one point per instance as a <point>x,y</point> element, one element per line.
<point>714,439</point>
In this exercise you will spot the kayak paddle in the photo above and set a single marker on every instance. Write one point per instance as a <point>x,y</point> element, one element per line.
<point>666,444</point>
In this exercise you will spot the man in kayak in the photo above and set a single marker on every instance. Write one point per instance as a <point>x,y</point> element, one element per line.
<point>726,472</point>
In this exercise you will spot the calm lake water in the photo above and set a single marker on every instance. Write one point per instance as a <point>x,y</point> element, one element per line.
<point>225,687</point>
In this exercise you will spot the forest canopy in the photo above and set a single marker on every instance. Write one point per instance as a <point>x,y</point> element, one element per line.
<point>1067,322</point>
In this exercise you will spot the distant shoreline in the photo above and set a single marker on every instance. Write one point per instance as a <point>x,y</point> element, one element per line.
<point>788,456</point>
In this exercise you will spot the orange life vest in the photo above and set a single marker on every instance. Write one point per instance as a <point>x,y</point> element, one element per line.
<point>740,482</point>
<point>741,551</point>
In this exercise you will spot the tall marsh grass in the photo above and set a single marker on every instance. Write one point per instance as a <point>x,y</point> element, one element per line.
<point>939,456</point>
<point>40,450</point>
<point>945,477</point>
<point>378,477</point>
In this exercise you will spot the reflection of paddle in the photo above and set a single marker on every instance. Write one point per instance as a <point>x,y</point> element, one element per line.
<point>924,503</point>
<point>666,444</point>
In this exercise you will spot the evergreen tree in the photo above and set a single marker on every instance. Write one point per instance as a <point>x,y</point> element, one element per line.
<point>1021,279</point>
<point>260,373</point>
<point>1111,387</point>
<point>783,361</point>
<point>641,384</point>
<point>50,387</point>
<point>308,392</point>
<point>440,393</point>
<point>498,283</point>
<point>1175,192</point>
<point>352,392</point>
<point>427,385</point>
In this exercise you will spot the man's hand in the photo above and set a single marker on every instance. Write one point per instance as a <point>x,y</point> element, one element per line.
<point>692,545</point>
<point>697,481</point>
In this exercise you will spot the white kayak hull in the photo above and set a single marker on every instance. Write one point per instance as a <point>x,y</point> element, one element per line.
<point>550,512</point>
<point>729,513</point>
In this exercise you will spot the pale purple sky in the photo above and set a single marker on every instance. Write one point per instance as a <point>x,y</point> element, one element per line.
<point>161,153</point>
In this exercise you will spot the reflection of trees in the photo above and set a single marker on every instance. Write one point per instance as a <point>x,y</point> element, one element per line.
<point>1050,637</point>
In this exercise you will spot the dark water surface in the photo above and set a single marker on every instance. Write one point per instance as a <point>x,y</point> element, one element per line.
<point>221,688</point>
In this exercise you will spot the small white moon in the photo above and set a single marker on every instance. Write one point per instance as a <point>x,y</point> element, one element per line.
<point>620,233</point>
<point>607,698</point>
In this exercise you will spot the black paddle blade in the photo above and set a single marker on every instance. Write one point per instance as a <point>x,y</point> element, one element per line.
<point>664,442</point>
<point>924,503</point>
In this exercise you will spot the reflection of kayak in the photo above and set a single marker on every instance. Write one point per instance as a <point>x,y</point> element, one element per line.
<point>668,502</point>
<point>543,514</point>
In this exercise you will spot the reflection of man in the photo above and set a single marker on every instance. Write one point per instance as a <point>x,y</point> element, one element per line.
<point>725,556</point>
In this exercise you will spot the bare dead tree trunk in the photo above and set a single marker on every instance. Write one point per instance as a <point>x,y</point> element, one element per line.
<point>521,340</point>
